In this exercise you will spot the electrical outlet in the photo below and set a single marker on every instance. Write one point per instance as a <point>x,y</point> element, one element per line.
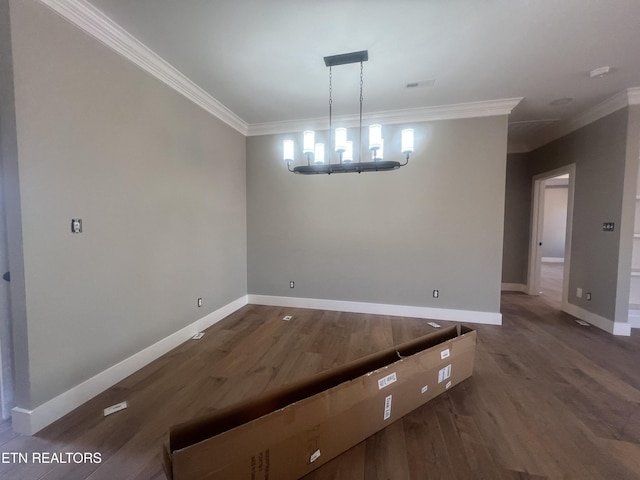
<point>292,284</point>
<point>588,296</point>
<point>198,336</point>
<point>76,225</point>
<point>579,292</point>
<point>199,302</point>
<point>436,293</point>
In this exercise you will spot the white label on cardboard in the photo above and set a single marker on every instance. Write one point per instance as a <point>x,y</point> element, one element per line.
<point>434,324</point>
<point>386,381</point>
<point>114,408</point>
<point>448,384</point>
<point>444,373</point>
<point>444,354</point>
<point>387,407</point>
<point>314,456</point>
<point>424,389</point>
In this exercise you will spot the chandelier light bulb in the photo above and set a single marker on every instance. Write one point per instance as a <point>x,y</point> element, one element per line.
<point>288,150</point>
<point>347,156</point>
<point>378,153</point>
<point>407,141</point>
<point>309,138</point>
<point>341,140</point>
<point>375,136</point>
<point>318,154</point>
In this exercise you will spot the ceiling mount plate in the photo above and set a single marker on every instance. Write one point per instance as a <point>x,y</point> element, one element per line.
<point>345,58</point>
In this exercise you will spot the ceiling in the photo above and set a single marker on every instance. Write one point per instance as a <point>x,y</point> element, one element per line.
<point>263,60</point>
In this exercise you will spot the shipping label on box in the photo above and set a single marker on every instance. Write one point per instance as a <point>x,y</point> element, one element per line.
<point>386,381</point>
<point>387,407</point>
<point>444,373</point>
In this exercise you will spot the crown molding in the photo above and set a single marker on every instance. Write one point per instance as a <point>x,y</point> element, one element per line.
<point>625,98</point>
<point>488,108</point>
<point>98,25</point>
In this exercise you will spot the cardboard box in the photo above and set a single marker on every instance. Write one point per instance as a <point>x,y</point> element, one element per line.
<point>287,433</point>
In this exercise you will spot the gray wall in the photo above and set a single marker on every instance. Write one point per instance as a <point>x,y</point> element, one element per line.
<point>606,157</point>
<point>384,237</point>
<point>159,183</point>
<point>517,219</point>
<point>599,152</point>
<point>555,221</point>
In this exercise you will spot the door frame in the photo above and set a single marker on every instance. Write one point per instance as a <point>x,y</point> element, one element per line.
<point>537,219</point>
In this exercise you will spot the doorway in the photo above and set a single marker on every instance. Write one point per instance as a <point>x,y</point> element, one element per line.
<point>550,244</point>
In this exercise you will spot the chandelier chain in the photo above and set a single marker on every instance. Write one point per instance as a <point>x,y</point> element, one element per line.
<point>361,99</point>
<point>330,105</point>
<point>361,81</point>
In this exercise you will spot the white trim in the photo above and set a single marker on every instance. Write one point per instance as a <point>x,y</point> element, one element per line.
<point>29,422</point>
<point>552,259</point>
<point>628,97</point>
<point>537,214</point>
<point>616,328</point>
<point>98,25</point>
<point>470,316</point>
<point>514,287</point>
<point>488,108</point>
<point>535,251</point>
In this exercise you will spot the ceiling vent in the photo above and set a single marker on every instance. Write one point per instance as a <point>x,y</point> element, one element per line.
<point>422,84</point>
<point>599,72</point>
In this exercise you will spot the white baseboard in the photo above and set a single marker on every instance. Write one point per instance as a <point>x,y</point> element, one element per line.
<point>29,422</point>
<point>616,328</point>
<point>514,287</point>
<point>469,316</point>
<point>552,259</point>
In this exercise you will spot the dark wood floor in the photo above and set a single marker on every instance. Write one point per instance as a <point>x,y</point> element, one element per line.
<point>548,399</point>
<point>551,283</point>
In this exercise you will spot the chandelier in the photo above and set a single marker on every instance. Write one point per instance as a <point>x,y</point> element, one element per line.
<point>316,163</point>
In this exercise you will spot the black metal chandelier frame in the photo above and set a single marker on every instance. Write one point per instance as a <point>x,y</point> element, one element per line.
<point>348,165</point>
